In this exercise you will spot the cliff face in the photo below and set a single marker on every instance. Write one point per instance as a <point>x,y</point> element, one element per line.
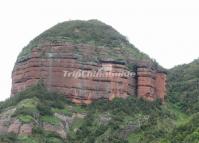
<point>151,83</point>
<point>106,69</point>
<point>54,64</point>
<point>58,67</point>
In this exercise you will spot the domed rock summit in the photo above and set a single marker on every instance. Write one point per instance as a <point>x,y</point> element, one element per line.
<point>87,61</point>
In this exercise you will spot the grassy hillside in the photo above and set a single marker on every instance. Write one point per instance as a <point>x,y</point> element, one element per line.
<point>120,121</point>
<point>184,86</point>
<point>91,32</point>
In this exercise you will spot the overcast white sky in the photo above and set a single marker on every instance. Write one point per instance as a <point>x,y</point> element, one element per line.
<point>167,30</point>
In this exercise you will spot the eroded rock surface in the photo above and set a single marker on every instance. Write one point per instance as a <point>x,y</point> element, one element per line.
<point>59,67</point>
<point>50,63</point>
<point>9,124</point>
<point>151,84</point>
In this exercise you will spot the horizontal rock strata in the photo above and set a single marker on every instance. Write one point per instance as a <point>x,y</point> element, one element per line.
<point>72,70</point>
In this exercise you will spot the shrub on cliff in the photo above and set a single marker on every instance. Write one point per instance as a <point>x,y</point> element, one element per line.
<point>34,91</point>
<point>8,138</point>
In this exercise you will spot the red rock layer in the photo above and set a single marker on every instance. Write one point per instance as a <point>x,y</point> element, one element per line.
<point>50,62</point>
<point>160,84</point>
<point>151,84</point>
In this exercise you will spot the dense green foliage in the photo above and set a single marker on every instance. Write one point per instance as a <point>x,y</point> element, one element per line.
<point>187,133</point>
<point>84,32</point>
<point>125,117</point>
<point>92,32</point>
<point>184,86</point>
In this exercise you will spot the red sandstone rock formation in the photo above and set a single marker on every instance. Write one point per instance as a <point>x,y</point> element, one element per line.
<point>51,62</point>
<point>151,84</point>
<point>103,49</point>
<point>26,129</point>
<point>59,67</point>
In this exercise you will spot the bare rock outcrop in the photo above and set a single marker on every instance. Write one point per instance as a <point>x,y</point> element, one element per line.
<point>81,81</point>
<point>14,125</point>
<point>26,129</point>
<point>151,84</point>
<point>58,67</point>
<point>81,58</point>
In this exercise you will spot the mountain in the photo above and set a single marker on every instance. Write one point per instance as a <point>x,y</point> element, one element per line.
<point>87,61</point>
<point>46,107</point>
<point>183,92</point>
<point>184,86</point>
